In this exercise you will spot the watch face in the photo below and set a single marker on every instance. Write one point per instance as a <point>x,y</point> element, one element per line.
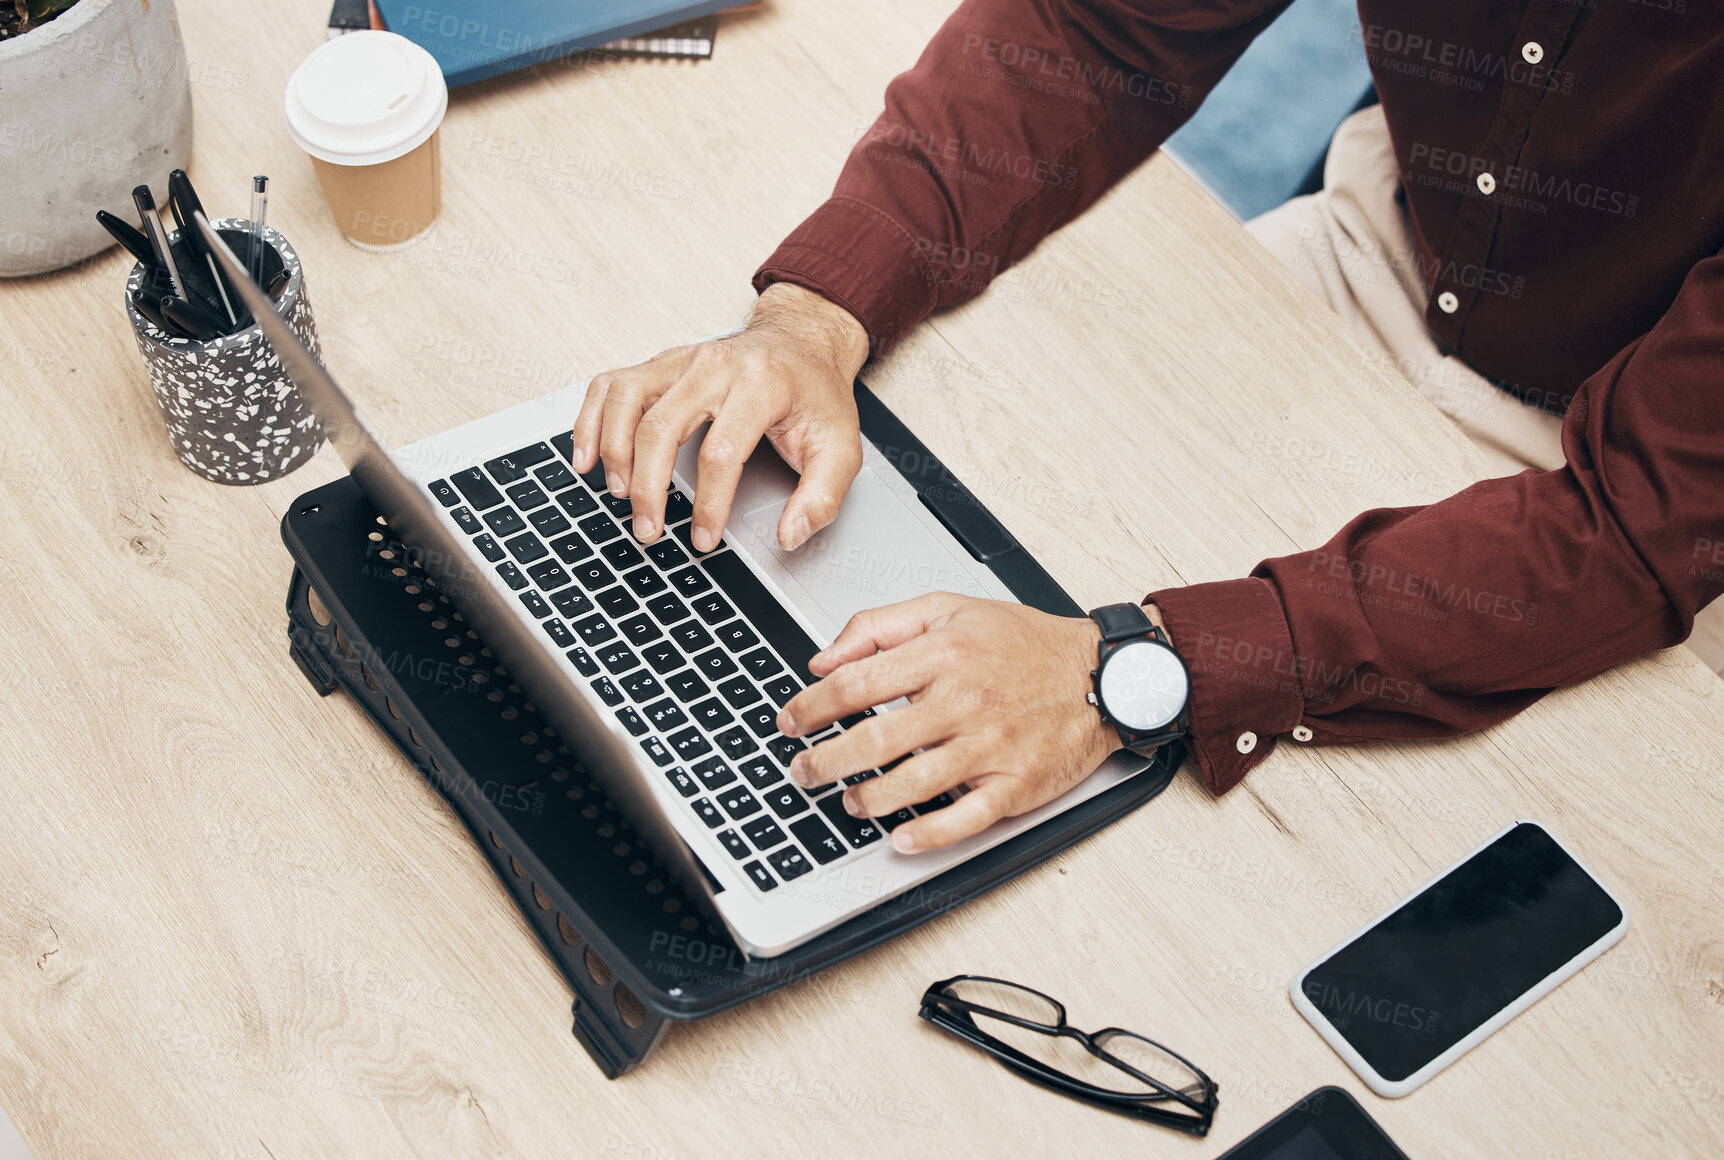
<point>1144,686</point>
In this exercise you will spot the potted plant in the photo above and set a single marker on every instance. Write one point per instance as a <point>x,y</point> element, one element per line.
<point>94,100</point>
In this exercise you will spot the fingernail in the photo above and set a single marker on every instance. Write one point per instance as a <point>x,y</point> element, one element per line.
<point>580,455</point>
<point>643,528</point>
<point>798,531</point>
<point>904,842</point>
<point>787,726</point>
<point>853,804</point>
<point>702,540</point>
<point>614,482</point>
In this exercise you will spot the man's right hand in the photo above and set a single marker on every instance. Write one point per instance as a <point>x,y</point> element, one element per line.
<point>787,376</point>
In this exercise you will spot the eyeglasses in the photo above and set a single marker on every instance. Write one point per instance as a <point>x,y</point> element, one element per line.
<point>1123,1072</point>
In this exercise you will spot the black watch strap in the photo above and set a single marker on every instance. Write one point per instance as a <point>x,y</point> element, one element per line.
<point>1120,621</point>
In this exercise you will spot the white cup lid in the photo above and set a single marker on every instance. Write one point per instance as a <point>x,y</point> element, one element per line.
<point>365,98</point>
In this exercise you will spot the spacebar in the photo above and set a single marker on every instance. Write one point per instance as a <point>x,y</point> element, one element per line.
<point>763,610</point>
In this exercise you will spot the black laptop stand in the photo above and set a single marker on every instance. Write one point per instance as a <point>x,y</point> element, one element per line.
<point>632,946</point>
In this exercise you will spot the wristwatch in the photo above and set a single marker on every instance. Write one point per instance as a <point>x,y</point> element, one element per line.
<point>1142,687</point>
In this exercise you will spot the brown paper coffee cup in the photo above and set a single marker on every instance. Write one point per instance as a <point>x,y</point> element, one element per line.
<point>384,206</point>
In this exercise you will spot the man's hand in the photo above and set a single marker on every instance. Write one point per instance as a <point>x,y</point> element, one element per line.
<point>997,696</point>
<point>787,376</point>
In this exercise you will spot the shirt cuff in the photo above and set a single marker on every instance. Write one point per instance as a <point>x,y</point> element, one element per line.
<point>858,257</point>
<point>1245,687</point>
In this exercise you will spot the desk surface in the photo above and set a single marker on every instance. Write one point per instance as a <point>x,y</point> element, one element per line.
<point>233,923</point>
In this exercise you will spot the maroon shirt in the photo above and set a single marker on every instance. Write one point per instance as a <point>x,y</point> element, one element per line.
<point>1563,167</point>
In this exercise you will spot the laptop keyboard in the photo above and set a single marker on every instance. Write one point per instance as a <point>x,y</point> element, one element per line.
<point>693,654</point>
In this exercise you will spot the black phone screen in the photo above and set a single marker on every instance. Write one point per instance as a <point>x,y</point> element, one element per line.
<point>1328,1124</point>
<point>1435,970</point>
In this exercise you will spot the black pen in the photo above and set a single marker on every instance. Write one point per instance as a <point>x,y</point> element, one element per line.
<point>191,319</point>
<point>183,200</point>
<point>153,314</point>
<point>123,232</point>
<point>146,203</point>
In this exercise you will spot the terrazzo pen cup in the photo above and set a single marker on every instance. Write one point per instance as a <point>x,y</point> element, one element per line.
<point>232,413</point>
<point>366,107</point>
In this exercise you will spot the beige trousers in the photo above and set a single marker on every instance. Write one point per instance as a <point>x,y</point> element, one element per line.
<point>1352,244</point>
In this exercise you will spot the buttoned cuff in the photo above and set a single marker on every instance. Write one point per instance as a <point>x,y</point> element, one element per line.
<point>862,259</point>
<point>1245,687</point>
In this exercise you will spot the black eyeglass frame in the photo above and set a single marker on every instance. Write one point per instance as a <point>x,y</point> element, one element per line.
<point>952,1014</point>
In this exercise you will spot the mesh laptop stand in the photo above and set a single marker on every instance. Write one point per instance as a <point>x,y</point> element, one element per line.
<point>636,951</point>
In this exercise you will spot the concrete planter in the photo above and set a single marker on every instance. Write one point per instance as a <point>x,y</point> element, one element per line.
<point>91,104</point>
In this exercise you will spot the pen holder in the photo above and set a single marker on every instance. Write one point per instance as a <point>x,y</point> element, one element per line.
<point>232,413</point>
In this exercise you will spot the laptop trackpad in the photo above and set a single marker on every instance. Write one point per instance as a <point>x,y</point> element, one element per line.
<point>876,552</point>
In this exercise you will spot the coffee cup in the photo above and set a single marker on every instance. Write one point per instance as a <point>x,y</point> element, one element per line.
<point>366,107</point>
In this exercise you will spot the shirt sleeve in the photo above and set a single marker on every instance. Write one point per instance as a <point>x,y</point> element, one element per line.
<point>1433,621</point>
<point>1019,115</point>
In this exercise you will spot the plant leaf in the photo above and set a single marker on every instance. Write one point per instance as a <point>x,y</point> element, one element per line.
<point>41,11</point>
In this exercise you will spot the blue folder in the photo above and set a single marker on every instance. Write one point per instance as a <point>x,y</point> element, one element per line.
<point>475,39</point>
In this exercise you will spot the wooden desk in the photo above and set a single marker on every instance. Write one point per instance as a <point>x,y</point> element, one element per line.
<point>234,924</point>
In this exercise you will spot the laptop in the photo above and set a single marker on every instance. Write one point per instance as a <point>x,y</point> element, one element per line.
<point>664,668</point>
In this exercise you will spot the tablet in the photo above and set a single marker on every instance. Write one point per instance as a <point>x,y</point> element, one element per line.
<point>1328,1124</point>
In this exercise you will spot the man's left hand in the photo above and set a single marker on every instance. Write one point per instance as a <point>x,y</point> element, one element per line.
<point>998,702</point>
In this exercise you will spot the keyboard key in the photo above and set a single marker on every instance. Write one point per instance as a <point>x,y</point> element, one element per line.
<point>509,468</point>
<point>527,547</point>
<point>571,548</point>
<point>667,554</point>
<point>617,658</point>
<point>762,720</point>
<point>643,686</point>
<point>489,548</point>
<point>656,751</point>
<point>618,506</point>
<point>595,478</point>
<point>714,773</point>
<point>549,575</point>
<point>760,664</point>
<point>608,692</point>
<point>583,661</point>
<point>708,813</point>
<point>789,862</point>
<point>617,601</point>
<point>938,802</point>
<point>555,476</point>
<point>712,608</point>
<point>558,632</point>
<point>685,533</point>
<point>690,744</point>
<point>577,501</point>
<point>712,714</point>
<point>734,845</point>
<point>505,521</point>
<point>761,876</point>
<point>687,686</point>
<point>595,629</point>
<point>631,720</point>
<point>678,777</point>
<point>479,491</point>
<point>527,495</point>
<point>781,689</point>
<point>662,656</point>
<point>572,602</point>
<point>690,581</point>
<point>738,692</point>
<point>761,609</point>
<point>640,629</point>
<point>667,609</point>
<point>645,582</point>
<point>511,575</point>
<point>736,636</point>
<point>785,748</point>
<point>666,715</point>
<point>715,663</point>
<point>738,802</point>
<point>598,528</point>
<point>859,832</point>
<point>763,832</point>
<point>549,522</point>
<point>564,442</point>
<point>786,801</point>
<point>894,819</point>
<point>819,841</point>
<point>760,772</point>
<point>536,605</point>
<point>444,493</point>
<point>468,522</point>
<point>593,575</point>
<point>623,555</point>
<point>735,743</point>
<point>692,637</point>
<point>855,719</point>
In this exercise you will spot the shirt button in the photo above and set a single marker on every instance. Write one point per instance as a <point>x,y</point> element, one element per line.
<point>1532,52</point>
<point>1247,742</point>
<point>1447,302</point>
<point>1301,733</point>
<point>1487,184</point>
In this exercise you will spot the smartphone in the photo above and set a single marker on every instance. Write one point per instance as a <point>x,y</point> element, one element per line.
<point>1328,1124</point>
<point>1481,942</point>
